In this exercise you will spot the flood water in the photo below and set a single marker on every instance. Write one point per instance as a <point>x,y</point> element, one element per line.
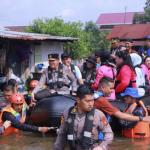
<point>30,141</point>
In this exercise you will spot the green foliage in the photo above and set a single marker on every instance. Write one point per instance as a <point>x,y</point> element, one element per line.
<point>90,38</point>
<point>143,18</point>
<point>147,14</point>
<point>97,38</point>
<point>147,4</point>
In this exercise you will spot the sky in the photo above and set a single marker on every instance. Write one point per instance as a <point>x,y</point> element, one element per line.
<point>22,12</point>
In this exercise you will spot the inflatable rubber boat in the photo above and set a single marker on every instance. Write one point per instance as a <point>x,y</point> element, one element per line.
<point>48,111</point>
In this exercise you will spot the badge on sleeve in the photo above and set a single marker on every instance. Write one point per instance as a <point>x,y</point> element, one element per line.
<point>104,120</point>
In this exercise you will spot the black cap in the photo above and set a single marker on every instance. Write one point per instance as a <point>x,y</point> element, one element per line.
<point>65,55</point>
<point>129,40</point>
<point>91,59</point>
<point>97,53</point>
<point>53,56</point>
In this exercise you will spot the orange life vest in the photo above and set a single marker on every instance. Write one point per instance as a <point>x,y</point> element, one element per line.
<point>20,117</point>
<point>140,130</point>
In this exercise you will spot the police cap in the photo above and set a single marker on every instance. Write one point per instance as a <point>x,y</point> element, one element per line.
<point>129,41</point>
<point>114,40</point>
<point>53,56</point>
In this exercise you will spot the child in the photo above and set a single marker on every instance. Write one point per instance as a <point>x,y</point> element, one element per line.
<point>134,106</point>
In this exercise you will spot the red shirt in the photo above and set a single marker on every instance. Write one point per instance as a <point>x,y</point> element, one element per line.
<point>124,77</point>
<point>104,105</point>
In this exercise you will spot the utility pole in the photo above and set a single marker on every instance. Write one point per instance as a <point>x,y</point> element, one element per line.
<point>125,14</point>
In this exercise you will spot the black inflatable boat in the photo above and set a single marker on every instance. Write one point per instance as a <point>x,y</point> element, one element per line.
<point>49,110</point>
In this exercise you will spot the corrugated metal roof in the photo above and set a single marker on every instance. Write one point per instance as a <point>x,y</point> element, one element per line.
<point>135,32</point>
<point>17,28</point>
<point>116,18</point>
<point>4,33</point>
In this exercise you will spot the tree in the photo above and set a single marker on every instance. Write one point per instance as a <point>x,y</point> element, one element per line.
<point>97,38</point>
<point>90,38</point>
<point>57,27</point>
<point>147,4</point>
<point>145,17</point>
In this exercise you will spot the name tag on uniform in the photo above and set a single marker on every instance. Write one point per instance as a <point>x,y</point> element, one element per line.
<point>87,134</point>
<point>70,137</point>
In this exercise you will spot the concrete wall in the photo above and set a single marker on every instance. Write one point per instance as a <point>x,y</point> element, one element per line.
<point>41,51</point>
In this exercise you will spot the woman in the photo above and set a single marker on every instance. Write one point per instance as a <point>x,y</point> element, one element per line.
<point>107,69</point>
<point>89,71</point>
<point>126,76</point>
<point>146,70</point>
<point>140,78</point>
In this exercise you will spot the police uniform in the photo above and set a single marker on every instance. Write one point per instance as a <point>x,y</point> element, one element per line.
<point>113,50</point>
<point>99,123</point>
<point>56,80</point>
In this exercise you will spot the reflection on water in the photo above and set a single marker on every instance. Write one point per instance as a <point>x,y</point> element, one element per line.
<point>27,141</point>
<point>30,141</point>
<point>130,144</point>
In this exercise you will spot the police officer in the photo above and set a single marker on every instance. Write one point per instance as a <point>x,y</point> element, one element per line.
<point>82,123</point>
<point>55,77</point>
<point>129,46</point>
<point>115,45</point>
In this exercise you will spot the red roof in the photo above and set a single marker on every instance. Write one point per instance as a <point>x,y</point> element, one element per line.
<point>116,18</point>
<point>17,28</point>
<point>135,31</point>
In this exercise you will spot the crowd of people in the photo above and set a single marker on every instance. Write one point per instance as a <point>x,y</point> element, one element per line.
<point>119,74</point>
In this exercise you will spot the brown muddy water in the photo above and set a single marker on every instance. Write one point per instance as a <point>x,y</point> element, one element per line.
<point>30,141</point>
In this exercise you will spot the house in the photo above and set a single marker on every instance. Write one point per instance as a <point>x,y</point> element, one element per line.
<point>137,32</point>
<point>20,49</point>
<point>17,28</point>
<point>107,21</point>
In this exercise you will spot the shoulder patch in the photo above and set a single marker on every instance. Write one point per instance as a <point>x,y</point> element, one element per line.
<point>104,120</point>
